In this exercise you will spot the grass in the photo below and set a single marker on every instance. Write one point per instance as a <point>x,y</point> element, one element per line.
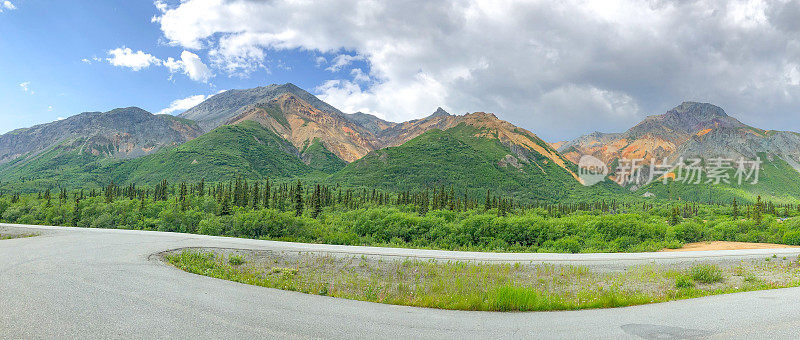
<point>706,274</point>
<point>12,236</point>
<point>481,286</point>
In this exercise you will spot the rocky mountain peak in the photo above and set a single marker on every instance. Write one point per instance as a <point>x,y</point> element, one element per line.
<point>699,110</point>
<point>440,112</point>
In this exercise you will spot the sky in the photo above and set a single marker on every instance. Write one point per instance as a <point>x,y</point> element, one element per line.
<point>558,68</point>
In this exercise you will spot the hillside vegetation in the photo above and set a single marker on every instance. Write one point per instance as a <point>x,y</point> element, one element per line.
<point>248,149</point>
<point>457,158</point>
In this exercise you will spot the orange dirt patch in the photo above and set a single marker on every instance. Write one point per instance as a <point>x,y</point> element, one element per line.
<point>725,245</point>
<point>704,132</point>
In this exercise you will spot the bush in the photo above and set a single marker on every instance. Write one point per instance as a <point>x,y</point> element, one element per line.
<point>791,237</point>
<point>689,232</point>
<point>683,282</point>
<point>211,226</point>
<point>236,260</point>
<point>706,274</point>
<point>103,221</point>
<point>570,244</point>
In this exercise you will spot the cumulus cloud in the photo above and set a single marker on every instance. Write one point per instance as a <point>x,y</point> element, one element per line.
<point>194,67</point>
<point>189,63</point>
<point>7,6</point>
<point>125,57</point>
<point>180,105</point>
<point>604,65</point>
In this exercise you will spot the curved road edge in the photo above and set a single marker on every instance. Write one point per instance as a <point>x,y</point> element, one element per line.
<point>103,283</point>
<point>602,261</point>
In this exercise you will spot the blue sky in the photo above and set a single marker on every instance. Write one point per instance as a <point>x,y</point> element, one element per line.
<point>558,68</point>
<point>43,45</point>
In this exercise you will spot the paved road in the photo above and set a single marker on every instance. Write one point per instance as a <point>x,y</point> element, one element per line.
<point>94,283</point>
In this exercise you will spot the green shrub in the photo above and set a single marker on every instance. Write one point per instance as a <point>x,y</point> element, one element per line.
<point>211,226</point>
<point>791,237</point>
<point>706,274</point>
<point>236,260</point>
<point>683,282</point>
<point>689,232</point>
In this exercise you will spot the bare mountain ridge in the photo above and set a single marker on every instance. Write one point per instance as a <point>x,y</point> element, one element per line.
<point>690,130</point>
<point>220,108</point>
<point>120,133</point>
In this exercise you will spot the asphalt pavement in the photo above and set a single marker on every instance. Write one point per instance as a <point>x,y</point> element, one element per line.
<point>102,283</point>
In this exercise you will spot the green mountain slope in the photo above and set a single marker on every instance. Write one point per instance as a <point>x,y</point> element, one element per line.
<point>459,158</point>
<point>62,165</point>
<point>778,182</point>
<point>318,157</point>
<point>247,148</point>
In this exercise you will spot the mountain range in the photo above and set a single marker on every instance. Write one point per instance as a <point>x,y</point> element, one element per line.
<point>699,131</point>
<point>284,132</point>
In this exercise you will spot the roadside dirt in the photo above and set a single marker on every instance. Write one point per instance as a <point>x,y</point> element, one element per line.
<point>726,245</point>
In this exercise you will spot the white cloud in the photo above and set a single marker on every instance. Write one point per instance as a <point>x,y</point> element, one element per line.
<point>194,67</point>
<point>125,57</point>
<point>184,104</point>
<point>524,60</point>
<point>189,64</point>
<point>7,5</point>
<point>160,5</point>
<point>359,75</point>
<point>26,87</point>
<point>342,60</point>
<point>91,60</point>
<point>50,108</point>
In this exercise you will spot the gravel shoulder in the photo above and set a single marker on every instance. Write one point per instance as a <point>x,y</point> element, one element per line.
<point>476,285</point>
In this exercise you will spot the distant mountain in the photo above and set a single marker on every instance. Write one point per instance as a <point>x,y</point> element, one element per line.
<point>222,107</point>
<point>249,149</point>
<point>657,136</point>
<point>282,131</point>
<point>44,153</point>
<point>124,133</point>
<point>373,124</point>
<point>478,152</point>
<point>695,130</point>
<point>440,112</point>
<point>296,120</point>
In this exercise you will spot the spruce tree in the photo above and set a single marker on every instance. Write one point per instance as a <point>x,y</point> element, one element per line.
<point>267,195</point>
<point>225,208</point>
<point>256,196</point>
<point>47,198</point>
<point>76,212</point>
<point>757,212</point>
<point>298,199</point>
<point>316,201</point>
<point>182,197</point>
<point>675,218</point>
